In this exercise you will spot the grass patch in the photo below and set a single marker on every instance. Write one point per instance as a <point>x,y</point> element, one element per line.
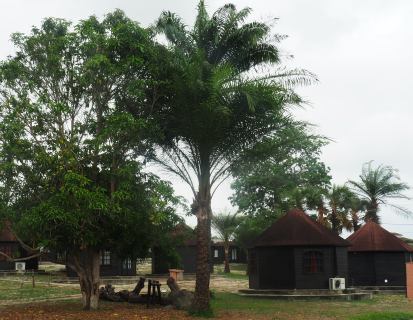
<point>377,308</point>
<point>238,271</point>
<point>385,316</point>
<point>13,290</point>
<point>232,275</point>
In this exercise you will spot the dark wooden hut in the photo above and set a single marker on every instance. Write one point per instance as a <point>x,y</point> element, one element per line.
<point>184,245</point>
<point>296,252</point>
<point>236,254</point>
<point>377,257</point>
<point>10,246</point>
<point>110,265</point>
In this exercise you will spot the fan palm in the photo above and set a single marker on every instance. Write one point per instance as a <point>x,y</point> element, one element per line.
<point>377,186</point>
<point>215,105</point>
<point>338,201</point>
<point>225,224</point>
<point>356,206</point>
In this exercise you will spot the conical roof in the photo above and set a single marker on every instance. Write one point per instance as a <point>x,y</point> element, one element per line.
<point>297,229</point>
<point>373,237</point>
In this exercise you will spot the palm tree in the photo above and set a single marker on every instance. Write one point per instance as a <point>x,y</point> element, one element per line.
<point>215,104</point>
<point>356,206</point>
<point>315,197</point>
<point>338,202</point>
<point>377,186</point>
<point>225,224</point>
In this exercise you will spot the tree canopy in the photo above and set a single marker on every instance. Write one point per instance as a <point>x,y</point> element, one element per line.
<point>378,185</point>
<point>217,104</point>
<point>71,158</point>
<point>281,172</point>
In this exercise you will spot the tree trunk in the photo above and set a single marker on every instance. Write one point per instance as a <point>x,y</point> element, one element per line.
<point>320,216</point>
<point>355,220</point>
<point>87,266</point>
<point>202,210</point>
<point>334,220</point>
<point>371,214</point>
<point>226,257</point>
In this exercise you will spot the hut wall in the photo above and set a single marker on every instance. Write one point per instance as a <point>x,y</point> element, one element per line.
<point>253,276</point>
<point>275,268</point>
<point>362,271</point>
<point>188,258</point>
<point>341,263</point>
<point>9,248</point>
<point>159,264</point>
<point>315,280</point>
<point>372,268</point>
<point>390,266</point>
<point>115,268</point>
<point>241,256</point>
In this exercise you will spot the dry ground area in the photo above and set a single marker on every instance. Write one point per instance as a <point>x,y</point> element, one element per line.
<point>226,304</point>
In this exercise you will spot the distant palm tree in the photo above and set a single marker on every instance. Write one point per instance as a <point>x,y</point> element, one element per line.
<point>377,186</point>
<point>338,202</point>
<point>225,224</point>
<point>315,201</point>
<point>356,206</point>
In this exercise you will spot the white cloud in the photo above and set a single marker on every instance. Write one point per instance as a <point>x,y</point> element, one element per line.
<point>361,51</point>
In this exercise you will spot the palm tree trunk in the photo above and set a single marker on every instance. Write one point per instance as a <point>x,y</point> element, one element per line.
<point>320,215</point>
<point>202,210</point>
<point>334,220</point>
<point>226,256</point>
<point>371,214</point>
<point>355,220</point>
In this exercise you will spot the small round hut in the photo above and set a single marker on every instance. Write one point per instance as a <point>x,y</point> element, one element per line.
<point>296,252</point>
<point>377,257</point>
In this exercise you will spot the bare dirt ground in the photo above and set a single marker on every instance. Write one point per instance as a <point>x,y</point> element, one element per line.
<point>218,283</point>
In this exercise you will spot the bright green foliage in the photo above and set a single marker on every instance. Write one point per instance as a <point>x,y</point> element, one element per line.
<point>281,172</point>
<point>70,175</point>
<point>377,186</point>
<point>250,228</point>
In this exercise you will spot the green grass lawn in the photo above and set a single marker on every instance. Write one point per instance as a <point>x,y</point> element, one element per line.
<point>13,290</point>
<point>381,307</point>
<point>238,271</point>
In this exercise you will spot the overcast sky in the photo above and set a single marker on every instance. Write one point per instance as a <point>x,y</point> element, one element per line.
<point>362,52</point>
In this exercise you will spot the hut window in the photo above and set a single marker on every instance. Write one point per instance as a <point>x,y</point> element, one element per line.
<point>216,253</point>
<point>313,262</point>
<point>127,264</point>
<point>234,254</point>
<point>105,257</point>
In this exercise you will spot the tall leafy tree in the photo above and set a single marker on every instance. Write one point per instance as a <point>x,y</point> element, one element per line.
<point>281,172</point>
<point>215,105</point>
<point>70,173</point>
<point>378,185</point>
<point>226,224</point>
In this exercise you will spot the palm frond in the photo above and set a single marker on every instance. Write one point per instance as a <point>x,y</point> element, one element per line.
<point>174,30</point>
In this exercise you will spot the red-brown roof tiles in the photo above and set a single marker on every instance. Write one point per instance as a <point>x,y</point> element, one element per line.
<point>373,237</point>
<point>297,229</point>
